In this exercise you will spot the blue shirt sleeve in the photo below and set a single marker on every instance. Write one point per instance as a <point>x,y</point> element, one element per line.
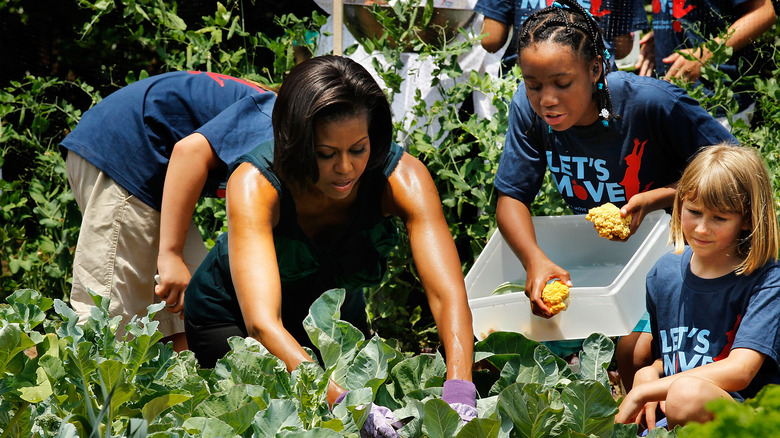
<point>499,10</point>
<point>240,127</point>
<point>759,329</point>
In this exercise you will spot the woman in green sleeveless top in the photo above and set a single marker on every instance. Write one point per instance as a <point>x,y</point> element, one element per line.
<point>311,212</point>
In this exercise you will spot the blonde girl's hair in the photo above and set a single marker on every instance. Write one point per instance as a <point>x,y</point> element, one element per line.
<point>732,179</point>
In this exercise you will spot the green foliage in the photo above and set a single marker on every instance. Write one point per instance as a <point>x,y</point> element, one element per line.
<point>39,220</point>
<point>759,416</point>
<point>221,44</point>
<point>61,379</point>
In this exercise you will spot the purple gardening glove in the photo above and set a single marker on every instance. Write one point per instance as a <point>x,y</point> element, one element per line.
<point>379,423</point>
<point>340,398</point>
<point>461,395</point>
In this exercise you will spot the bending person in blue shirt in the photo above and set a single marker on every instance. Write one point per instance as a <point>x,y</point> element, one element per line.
<point>615,137</point>
<point>714,302</point>
<point>137,162</point>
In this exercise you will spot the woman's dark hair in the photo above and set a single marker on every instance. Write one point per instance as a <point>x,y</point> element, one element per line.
<point>569,24</point>
<point>325,88</point>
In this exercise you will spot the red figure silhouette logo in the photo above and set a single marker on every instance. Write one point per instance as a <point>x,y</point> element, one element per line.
<point>595,5</point>
<point>730,335</point>
<point>634,162</point>
<point>220,79</point>
<point>679,10</point>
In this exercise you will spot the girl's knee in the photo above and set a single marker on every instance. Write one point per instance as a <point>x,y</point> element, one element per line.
<point>686,400</point>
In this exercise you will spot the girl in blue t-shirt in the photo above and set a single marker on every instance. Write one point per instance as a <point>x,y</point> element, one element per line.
<point>615,137</point>
<point>714,302</point>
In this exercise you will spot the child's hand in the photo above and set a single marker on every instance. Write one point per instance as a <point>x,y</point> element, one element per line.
<point>637,208</point>
<point>174,277</point>
<point>538,275</point>
<point>685,69</point>
<point>645,63</point>
<point>636,407</point>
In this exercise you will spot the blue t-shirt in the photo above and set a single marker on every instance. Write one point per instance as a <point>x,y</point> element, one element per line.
<point>659,128</point>
<point>130,134</point>
<point>616,17</point>
<point>695,321</point>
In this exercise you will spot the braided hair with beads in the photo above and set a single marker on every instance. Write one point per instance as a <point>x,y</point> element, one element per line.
<point>566,22</point>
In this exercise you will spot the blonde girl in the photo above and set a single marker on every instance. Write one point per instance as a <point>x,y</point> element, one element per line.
<point>714,302</point>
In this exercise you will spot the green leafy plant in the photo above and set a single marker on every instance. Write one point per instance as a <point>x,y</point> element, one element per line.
<point>759,81</point>
<point>62,379</point>
<point>759,416</point>
<point>39,220</point>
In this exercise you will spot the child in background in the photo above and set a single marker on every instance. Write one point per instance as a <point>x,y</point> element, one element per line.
<point>714,303</point>
<point>615,137</point>
<point>685,27</point>
<point>617,19</point>
<point>137,163</point>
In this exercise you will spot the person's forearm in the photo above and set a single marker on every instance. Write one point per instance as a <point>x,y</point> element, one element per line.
<point>517,229</point>
<point>279,342</point>
<point>188,169</point>
<point>662,197</point>
<point>496,34</point>
<point>442,279</point>
<point>457,339</point>
<point>759,17</point>
<point>731,374</point>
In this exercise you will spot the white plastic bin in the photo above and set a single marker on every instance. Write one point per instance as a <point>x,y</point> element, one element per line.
<point>608,293</point>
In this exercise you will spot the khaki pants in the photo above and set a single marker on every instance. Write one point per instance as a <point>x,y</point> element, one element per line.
<point>116,253</point>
